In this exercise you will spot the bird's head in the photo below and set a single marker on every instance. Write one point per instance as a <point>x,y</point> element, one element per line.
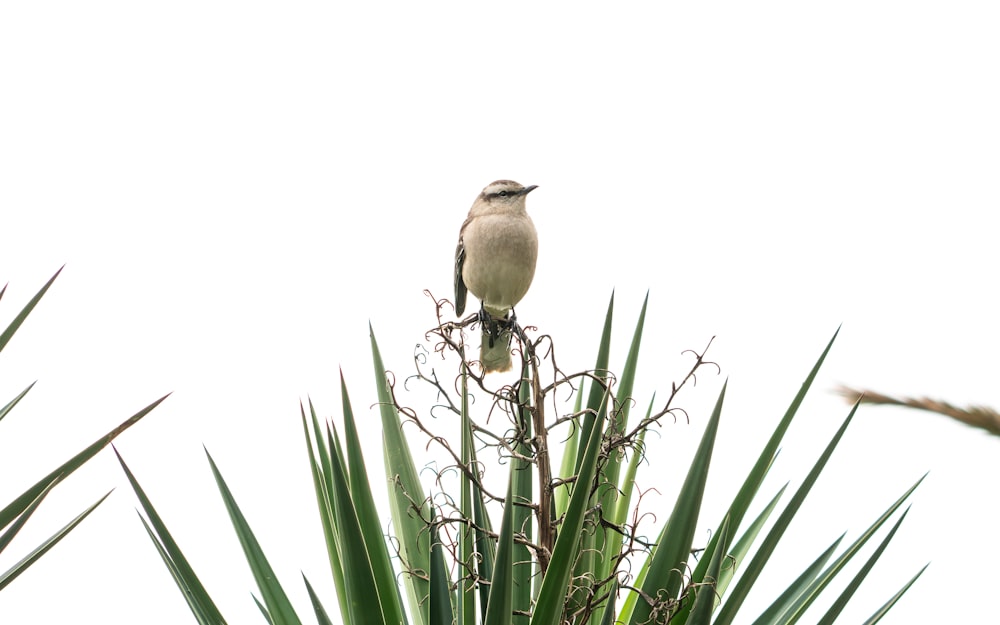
<point>503,196</point>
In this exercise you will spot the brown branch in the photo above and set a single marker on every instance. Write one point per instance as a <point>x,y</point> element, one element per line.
<point>982,417</point>
<point>546,534</point>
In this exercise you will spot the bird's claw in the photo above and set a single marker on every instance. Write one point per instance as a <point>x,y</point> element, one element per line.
<point>495,327</point>
<point>510,322</point>
<point>489,324</point>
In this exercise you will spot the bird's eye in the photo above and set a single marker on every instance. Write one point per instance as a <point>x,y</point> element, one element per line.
<point>502,194</point>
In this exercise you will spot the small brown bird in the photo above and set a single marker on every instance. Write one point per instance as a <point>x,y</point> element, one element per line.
<point>495,259</point>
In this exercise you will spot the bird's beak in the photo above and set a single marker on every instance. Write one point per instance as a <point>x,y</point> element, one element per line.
<point>528,190</point>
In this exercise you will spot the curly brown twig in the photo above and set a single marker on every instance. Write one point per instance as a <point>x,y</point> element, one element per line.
<point>675,389</point>
<point>525,439</point>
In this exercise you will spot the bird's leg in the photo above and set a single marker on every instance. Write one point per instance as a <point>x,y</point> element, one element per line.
<point>489,323</point>
<point>510,321</point>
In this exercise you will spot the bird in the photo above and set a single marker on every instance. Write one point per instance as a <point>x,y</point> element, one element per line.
<point>495,260</point>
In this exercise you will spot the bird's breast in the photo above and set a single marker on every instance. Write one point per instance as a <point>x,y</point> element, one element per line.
<point>500,255</point>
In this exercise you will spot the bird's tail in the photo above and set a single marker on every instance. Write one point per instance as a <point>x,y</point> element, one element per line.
<point>494,353</point>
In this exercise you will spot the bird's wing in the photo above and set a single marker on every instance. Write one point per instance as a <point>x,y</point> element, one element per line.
<point>460,289</point>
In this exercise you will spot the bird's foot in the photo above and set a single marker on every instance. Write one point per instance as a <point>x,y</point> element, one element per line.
<point>489,324</point>
<point>510,323</point>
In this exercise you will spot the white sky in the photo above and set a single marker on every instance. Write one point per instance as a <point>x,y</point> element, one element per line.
<point>239,188</point>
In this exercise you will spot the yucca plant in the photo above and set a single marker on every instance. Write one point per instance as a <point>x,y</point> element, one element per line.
<point>16,514</point>
<point>549,546</point>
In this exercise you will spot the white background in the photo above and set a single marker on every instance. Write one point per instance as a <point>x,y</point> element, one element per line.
<point>237,189</point>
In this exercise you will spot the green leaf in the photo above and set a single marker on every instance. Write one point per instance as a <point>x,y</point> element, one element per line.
<point>485,546</point>
<point>838,606</point>
<point>611,491</point>
<point>522,492</point>
<point>589,567</point>
<point>187,581</point>
<point>501,602</point>
<point>747,493</point>
<point>13,402</point>
<point>321,456</point>
<point>774,612</point>
<point>809,594</point>
<point>628,481</point>
<point>321,616</point>
<point>731,564</point>
<point>627,381</point>
<point>16,507</point>
<point>567,468</point>
<point>664,579</point>
<point>364,600</point>
<point>705,599</point>
<point>875,618</point>
<point>24,516</point>
<point>49,543</point>
<point>753,569</point>
<point>8,333</point>
<point>263,610</point>
<point>467,553</point>
<point>598,392</point>
<point>193,604</point>
<point>589,550</point>
<point>609,609</point>
<point>279,608</point>
<point>632,598</point>
<point>739,551</point>
<point>411,510</point>
<point>556,582</point>
<point>440,584</point>
<point>368,517</point>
